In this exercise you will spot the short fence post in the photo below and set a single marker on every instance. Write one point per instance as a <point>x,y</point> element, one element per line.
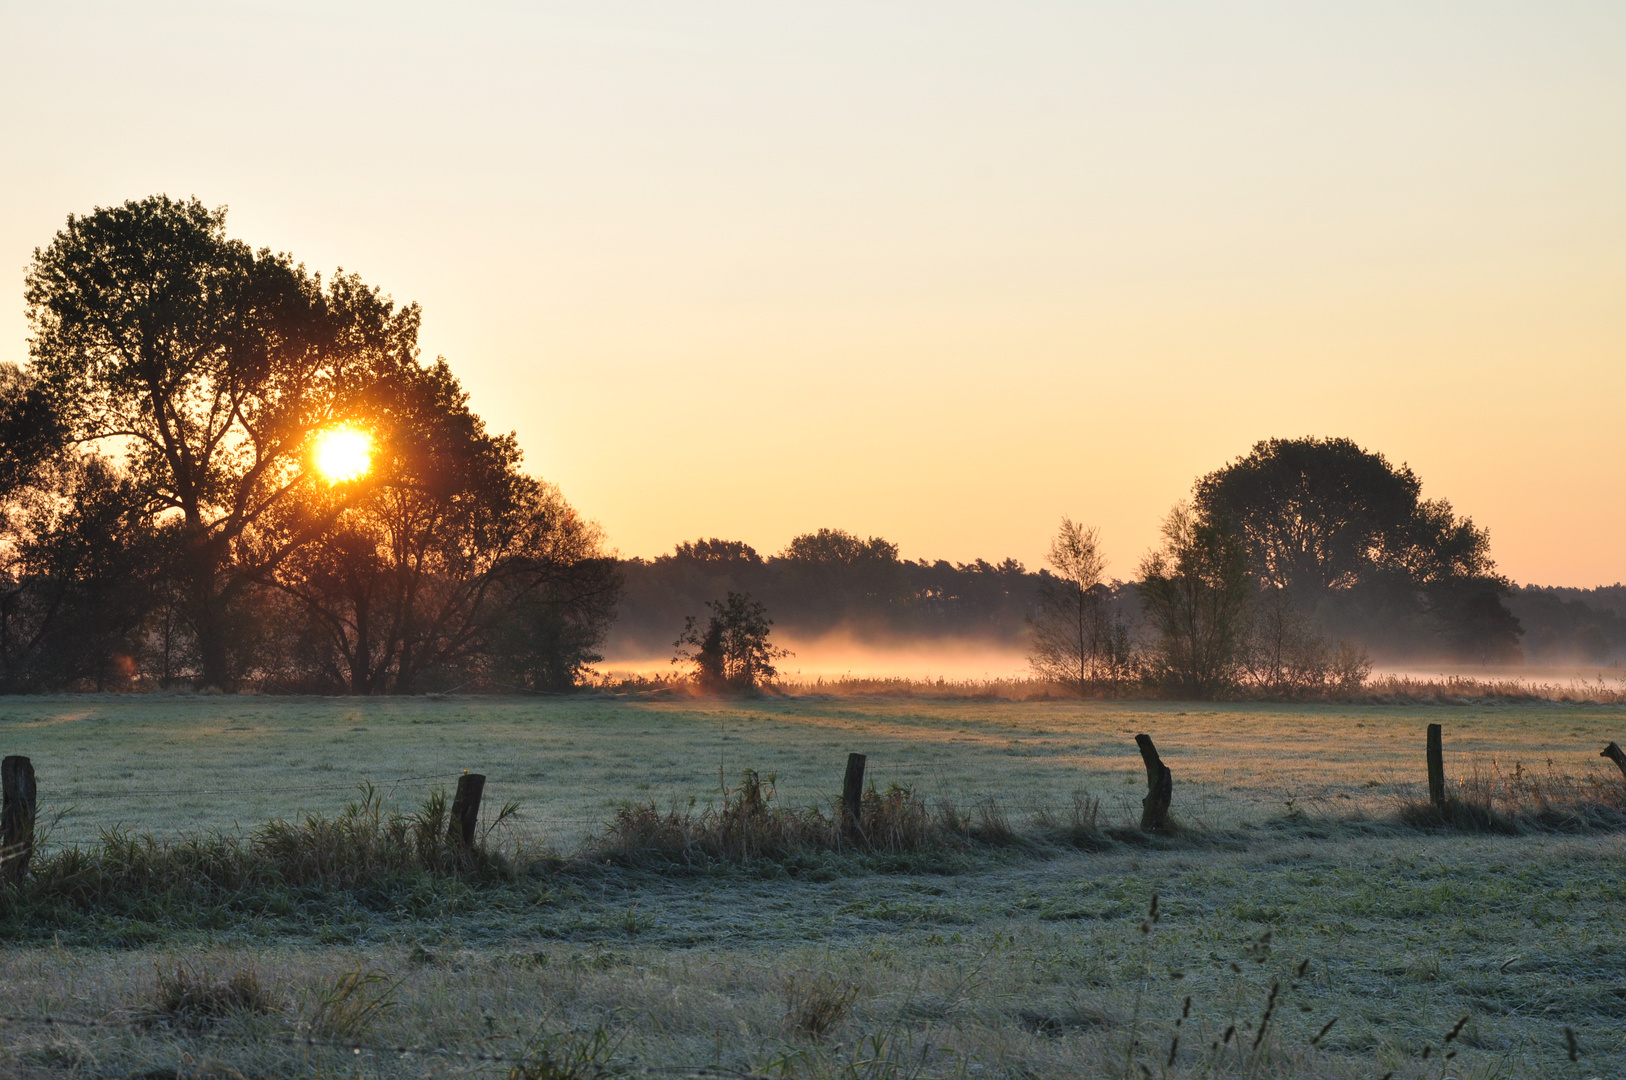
<point>1154,815</point>
<point>1436,767</point>
<point>852,795</point>
<point>1614,753</point>
<point>466,808</point>
<point>17,808</point>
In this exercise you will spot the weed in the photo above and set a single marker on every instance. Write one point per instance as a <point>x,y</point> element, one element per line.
<point>1078,826</point>
<point>753,824</point>
<point>208,876</point>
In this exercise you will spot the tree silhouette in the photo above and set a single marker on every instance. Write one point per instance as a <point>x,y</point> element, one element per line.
<point>211,364</point>
<point>1347,536</point>
<point>444,553</point>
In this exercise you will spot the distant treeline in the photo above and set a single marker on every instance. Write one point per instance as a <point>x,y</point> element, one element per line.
<point>1571,626</point>
<point>824,582</point>
<point>1334,539</point>
<point>993,602</point>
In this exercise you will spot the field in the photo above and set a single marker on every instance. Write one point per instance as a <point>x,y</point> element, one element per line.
<point>1025,958</point>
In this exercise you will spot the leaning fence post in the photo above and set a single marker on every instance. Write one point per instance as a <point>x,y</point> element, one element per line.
<point>1436,767</point>
<point>852,795</point>
<point>1159,787</point>
<point>18,802</point>
<point>466,808</point>
<point>1614,753</point>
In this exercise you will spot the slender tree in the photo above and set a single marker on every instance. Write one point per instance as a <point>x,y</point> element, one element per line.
<point>1076,639</point>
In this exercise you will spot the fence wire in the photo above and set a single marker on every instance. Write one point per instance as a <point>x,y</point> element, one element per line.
<point>490,1059</point>
<point>133,793</point>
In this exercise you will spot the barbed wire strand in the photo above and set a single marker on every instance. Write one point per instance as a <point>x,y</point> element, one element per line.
<point>357,1048</point>
<point>119,793</point>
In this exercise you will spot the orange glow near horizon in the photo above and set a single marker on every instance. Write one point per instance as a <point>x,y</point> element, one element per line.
<point>343,454</point>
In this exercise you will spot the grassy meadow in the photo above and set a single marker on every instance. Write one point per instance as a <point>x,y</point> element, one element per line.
<point>1017,959</point>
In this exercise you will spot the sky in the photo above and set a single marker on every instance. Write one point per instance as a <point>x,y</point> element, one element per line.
<point>939,272</point>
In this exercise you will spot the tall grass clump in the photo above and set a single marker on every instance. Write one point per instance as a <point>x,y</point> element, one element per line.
<point>1077,825</point>
<point>188,997</point>
<point>365,851</point>
<point>752,824</point>
<point>346,1005</point>
<point>1496,801</point>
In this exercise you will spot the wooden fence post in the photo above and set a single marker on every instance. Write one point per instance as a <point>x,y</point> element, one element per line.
<point>1159,787</point>
<point>466,808</point>
<point>1436,767</point>
<point>852,795</point>
<point>18,804</point>
<point>1614,753</point>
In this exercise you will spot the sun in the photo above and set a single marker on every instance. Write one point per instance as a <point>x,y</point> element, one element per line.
<point>343,453</point>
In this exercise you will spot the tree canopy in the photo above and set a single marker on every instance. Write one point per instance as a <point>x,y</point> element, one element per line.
<point>179,386</point>
<point>1348,537</point>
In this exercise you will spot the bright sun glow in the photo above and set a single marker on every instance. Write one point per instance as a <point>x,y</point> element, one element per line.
<point>343,453</point>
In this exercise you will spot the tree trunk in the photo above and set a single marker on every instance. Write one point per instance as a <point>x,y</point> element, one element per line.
<point>207,613</point>
<point>214,650</point>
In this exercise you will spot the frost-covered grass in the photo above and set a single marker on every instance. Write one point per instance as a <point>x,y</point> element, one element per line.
<point>571,763</point>
<point>1034,968</point>
<point>1020,958</point>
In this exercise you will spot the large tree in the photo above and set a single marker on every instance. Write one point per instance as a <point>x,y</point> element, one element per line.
<point>1342,533</point>
<point>78,558</point>
<point>209,366</point>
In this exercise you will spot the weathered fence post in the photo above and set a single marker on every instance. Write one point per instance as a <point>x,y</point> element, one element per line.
<point>1614,753</point>
<point>1159,787</point>
<point>1436,767</point>
<point>852,795</point>
<point>17,807</point>
<point>466,808</point>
